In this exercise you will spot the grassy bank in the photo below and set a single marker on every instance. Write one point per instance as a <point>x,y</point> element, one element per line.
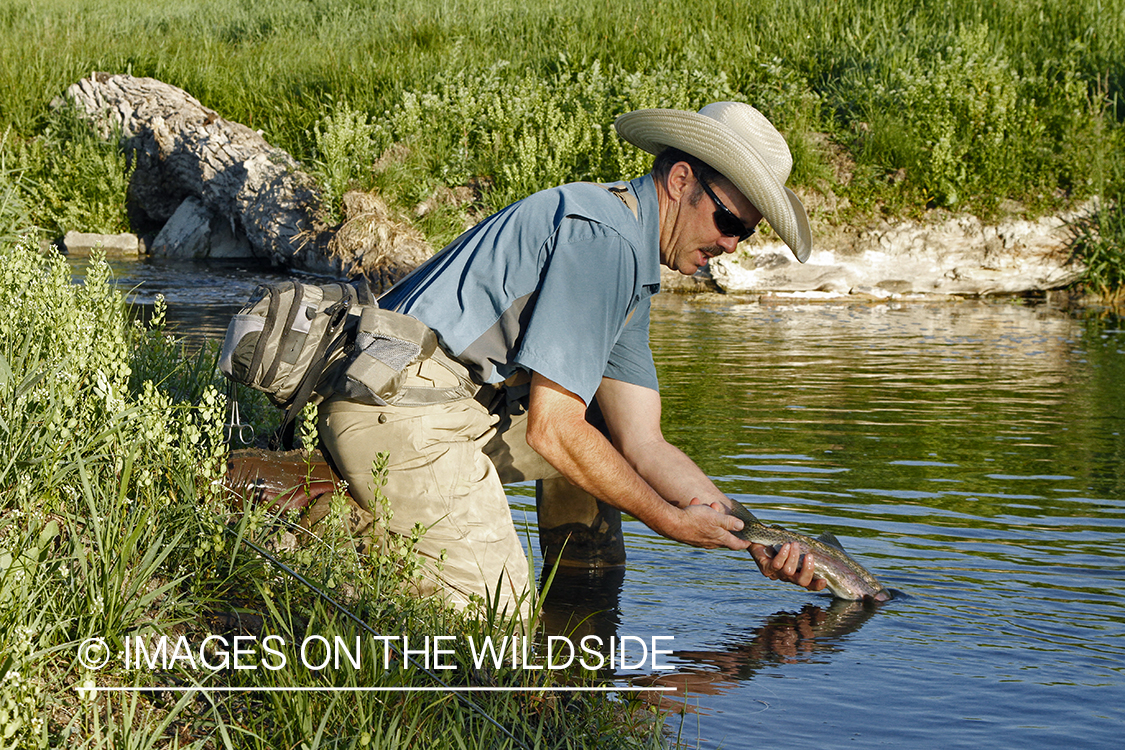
<point>117,537</point>
<point>890,106</point>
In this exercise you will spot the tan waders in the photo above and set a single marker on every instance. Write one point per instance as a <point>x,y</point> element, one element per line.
<point>448,462</point>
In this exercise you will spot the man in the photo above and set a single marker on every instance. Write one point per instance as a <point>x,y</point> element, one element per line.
<point>546,304</point>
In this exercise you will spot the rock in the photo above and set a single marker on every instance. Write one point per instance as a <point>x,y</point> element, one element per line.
<point>255,196</point>
<point>114,245</point>
<point>194,232</point>
<point>673,281</point>
<point>181,149</point>
<point>187,234</point>
<point>960,256</point>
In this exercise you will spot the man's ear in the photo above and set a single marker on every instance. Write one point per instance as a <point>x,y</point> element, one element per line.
<point>679,180</point>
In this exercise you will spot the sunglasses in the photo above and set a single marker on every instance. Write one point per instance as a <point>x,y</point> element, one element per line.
<point>726,222</point>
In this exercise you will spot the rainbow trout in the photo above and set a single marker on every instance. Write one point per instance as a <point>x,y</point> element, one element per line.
<point>846,578</point>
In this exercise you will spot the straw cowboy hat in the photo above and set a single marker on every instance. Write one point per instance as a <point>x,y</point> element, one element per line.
<point>739,142</point>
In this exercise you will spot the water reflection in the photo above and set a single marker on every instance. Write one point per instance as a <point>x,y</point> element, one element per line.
<point>968,453</point>
<point>581,604</point>
<point>808,635</point>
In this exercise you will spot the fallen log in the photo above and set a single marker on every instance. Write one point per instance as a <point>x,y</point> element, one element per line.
<point>190,161</point>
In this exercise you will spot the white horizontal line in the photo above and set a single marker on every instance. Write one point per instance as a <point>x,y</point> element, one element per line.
<point>425,689</point>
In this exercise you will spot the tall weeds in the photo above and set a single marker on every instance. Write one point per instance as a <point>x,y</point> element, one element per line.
<point>117,527</point>
<point>65,178</point>
<point>1098,245</point>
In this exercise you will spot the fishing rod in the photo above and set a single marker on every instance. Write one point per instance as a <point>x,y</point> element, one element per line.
<point>361,623</point>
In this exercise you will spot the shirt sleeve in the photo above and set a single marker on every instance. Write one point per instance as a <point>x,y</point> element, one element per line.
<point>631,357</point>
<point>584,299</point>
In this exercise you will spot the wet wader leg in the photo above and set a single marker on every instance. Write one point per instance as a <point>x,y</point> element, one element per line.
<point>575,528</point>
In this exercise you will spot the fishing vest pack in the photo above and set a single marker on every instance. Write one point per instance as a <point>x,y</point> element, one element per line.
<point>300,342</point>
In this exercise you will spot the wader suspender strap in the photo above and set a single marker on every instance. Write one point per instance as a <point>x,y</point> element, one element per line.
<point>623,194</point>
<point>626,197</point>
<point>329,345</point>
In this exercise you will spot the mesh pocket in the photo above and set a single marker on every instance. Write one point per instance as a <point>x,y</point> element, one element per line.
<point>394,353</point>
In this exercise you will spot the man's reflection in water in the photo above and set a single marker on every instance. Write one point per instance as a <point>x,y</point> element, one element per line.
<point>580,604</point>
<point>583,602</point>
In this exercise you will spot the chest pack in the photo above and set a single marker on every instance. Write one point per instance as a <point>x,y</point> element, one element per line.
<point>300,343</point>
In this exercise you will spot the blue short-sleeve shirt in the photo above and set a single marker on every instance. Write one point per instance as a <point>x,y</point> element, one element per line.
<point>558,283</point>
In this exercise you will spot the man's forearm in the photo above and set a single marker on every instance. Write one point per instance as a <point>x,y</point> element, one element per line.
<point>673,475</point>
<point>632,414</point>
<point>558,431</point>
<point>584,456</point>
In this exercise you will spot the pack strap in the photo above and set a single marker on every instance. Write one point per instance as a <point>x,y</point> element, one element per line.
<point>270,327</point>
<point>329,345</point>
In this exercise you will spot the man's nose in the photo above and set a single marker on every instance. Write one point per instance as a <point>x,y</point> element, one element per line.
<point>728,244</point>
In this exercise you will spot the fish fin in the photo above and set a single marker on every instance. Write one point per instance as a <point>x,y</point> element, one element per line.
<point>829,538</point>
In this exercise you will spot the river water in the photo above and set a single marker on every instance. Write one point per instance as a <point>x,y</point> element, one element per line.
<point>970,454</point>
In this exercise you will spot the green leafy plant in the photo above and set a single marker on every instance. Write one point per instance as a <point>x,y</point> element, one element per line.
<point>75,180</point>
<point>1098,244</point>
<point>15,213</point>
<point>520,133</point>
<point>346,142</point>
<point>959,123</point>
<point>117,524</point>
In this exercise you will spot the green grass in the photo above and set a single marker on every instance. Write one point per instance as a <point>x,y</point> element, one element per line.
<point>893,105</point>
<point>1098,244</point>
<point>114,525</point>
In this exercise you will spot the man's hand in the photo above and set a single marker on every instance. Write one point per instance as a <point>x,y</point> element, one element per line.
<point>708,526</point>
<point>786,565</point>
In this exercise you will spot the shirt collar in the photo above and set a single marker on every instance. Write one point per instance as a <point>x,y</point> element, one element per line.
<point>648,213</point>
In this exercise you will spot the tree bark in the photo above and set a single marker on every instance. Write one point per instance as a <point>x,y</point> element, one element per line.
<point>181,149</point>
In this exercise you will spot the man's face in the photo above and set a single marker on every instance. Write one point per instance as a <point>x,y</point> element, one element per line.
<point>694,237</point>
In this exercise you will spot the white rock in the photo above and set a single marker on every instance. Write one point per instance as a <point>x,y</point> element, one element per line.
<point>187,234</point>
<point>114,245</point>
<point>957,257</point>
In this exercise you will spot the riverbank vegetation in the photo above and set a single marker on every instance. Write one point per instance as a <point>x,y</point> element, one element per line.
<point>135,613</point>
<point>892,106</point>
<point>1097,242</point>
